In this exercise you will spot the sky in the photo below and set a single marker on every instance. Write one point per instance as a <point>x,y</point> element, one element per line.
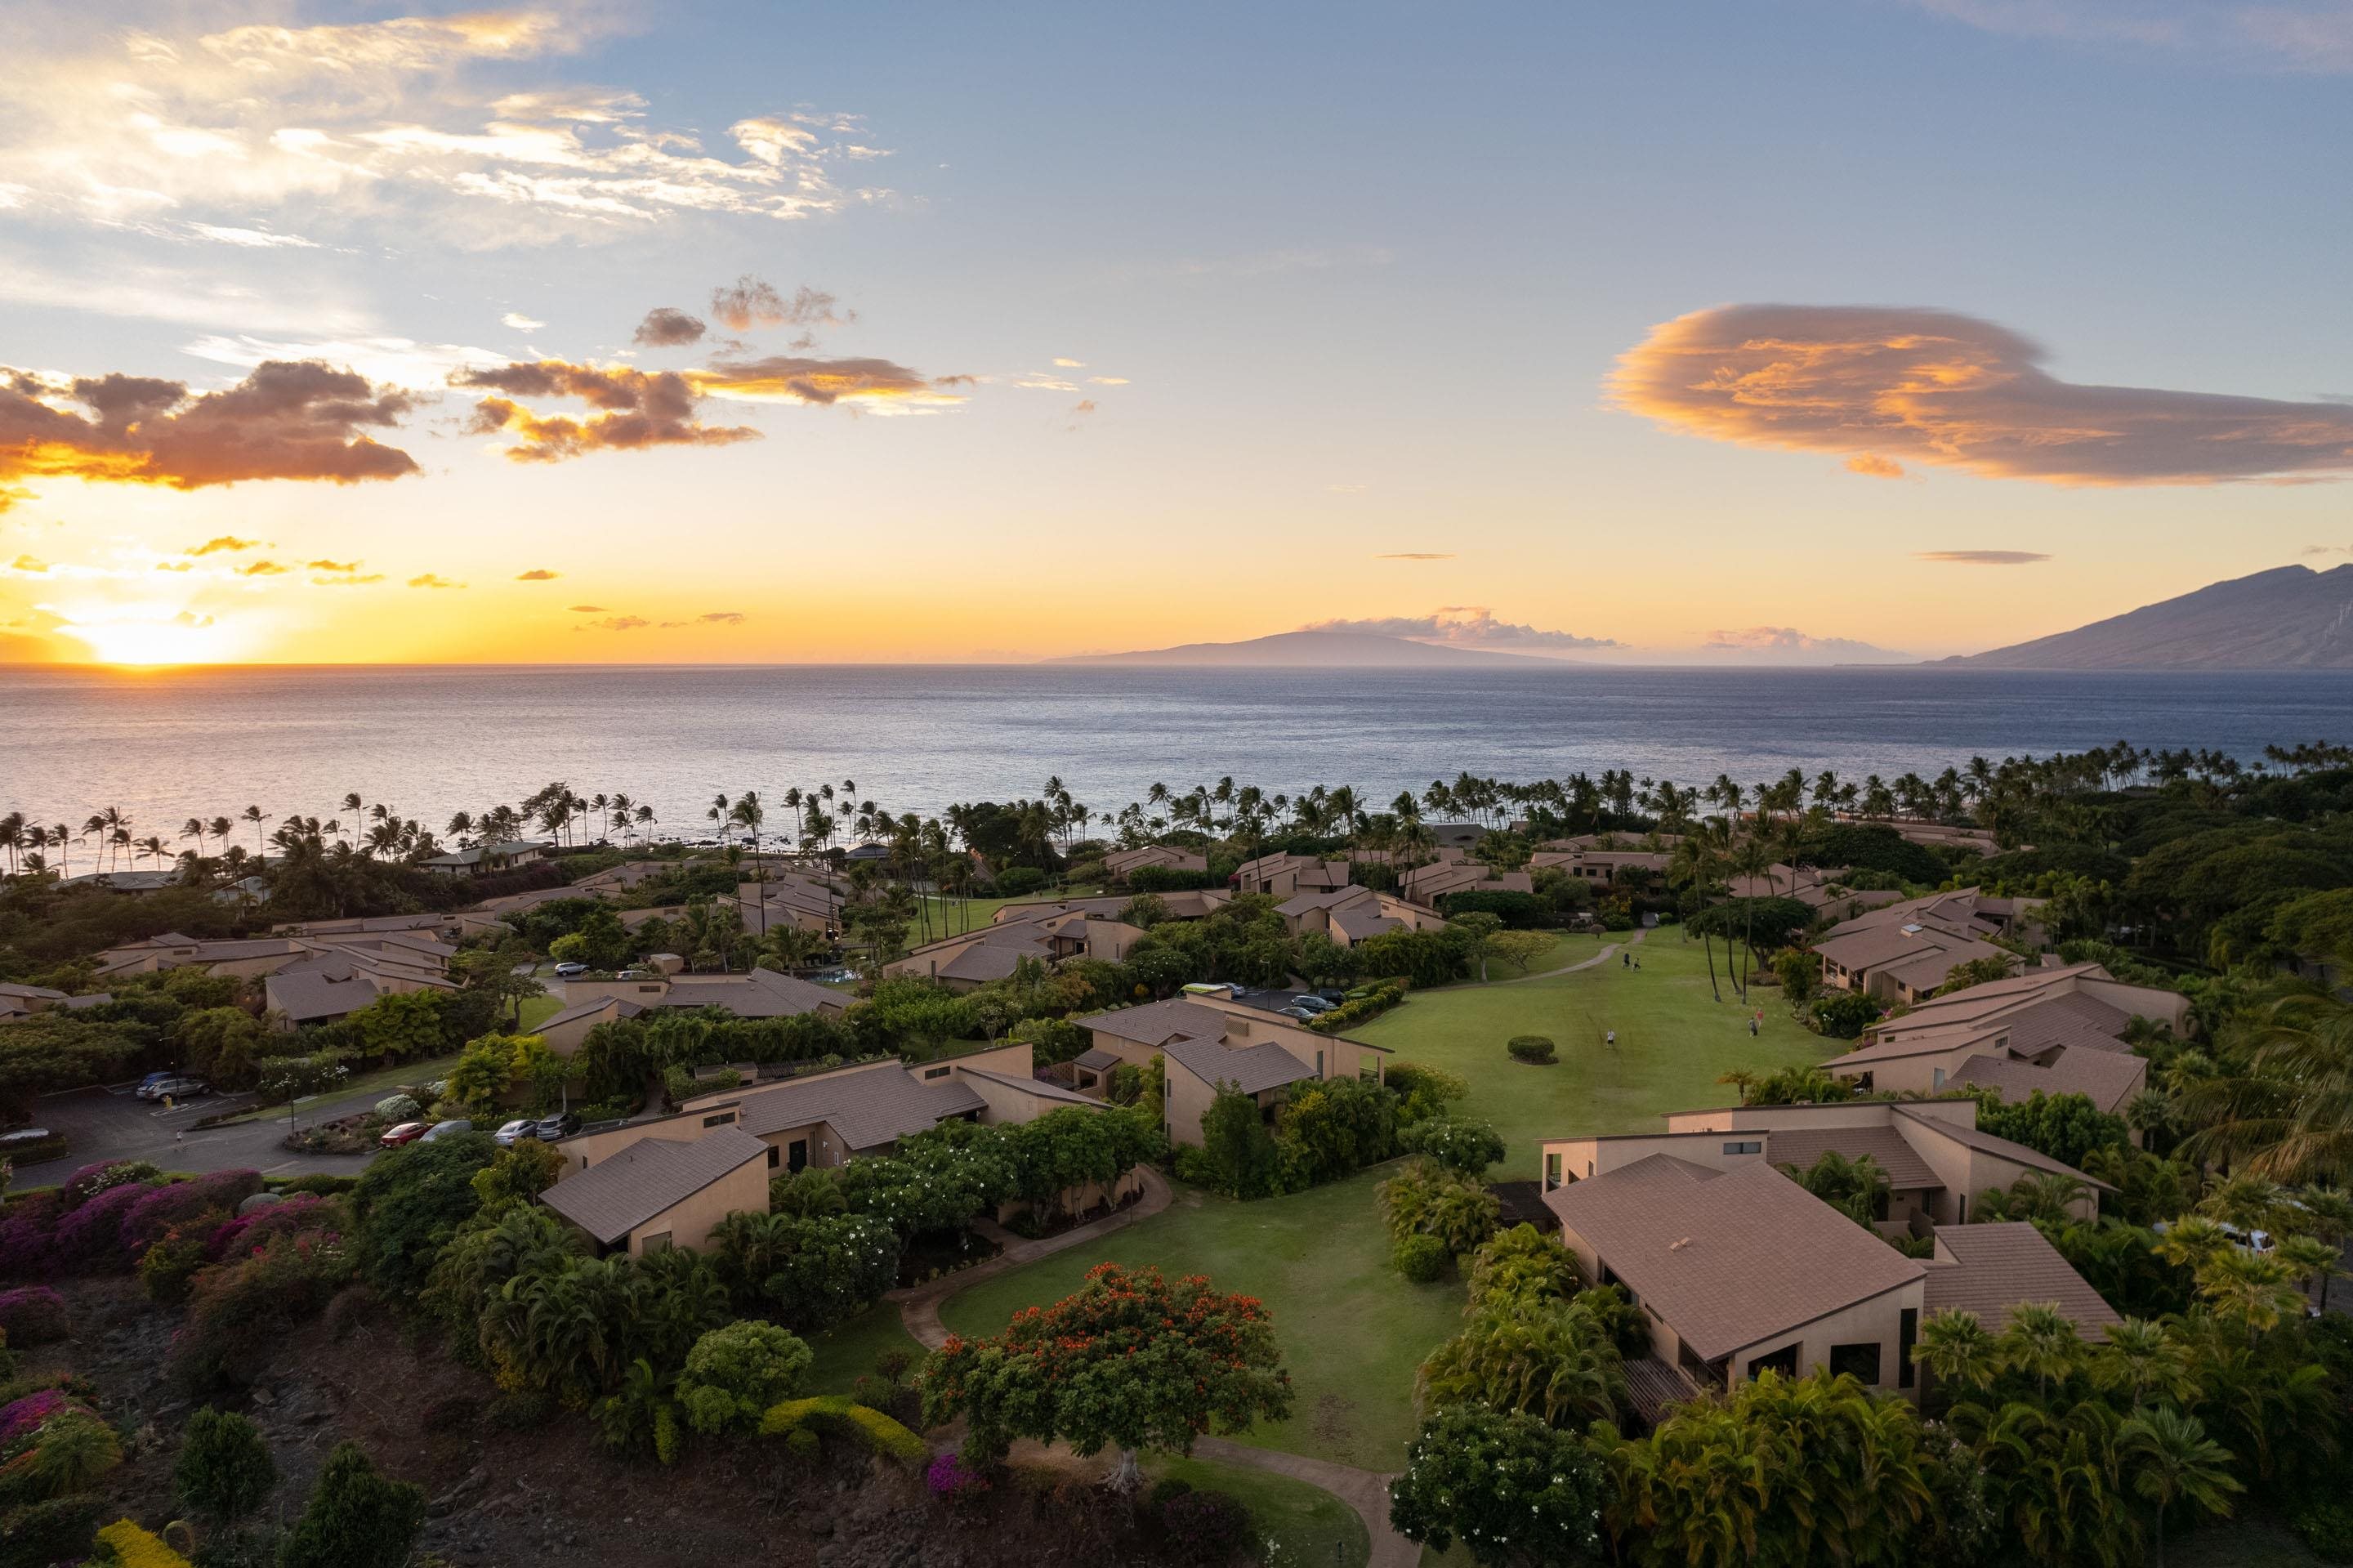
<point>1803,332</point>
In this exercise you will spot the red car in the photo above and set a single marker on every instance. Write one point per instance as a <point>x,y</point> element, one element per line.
<point>407,1132</point>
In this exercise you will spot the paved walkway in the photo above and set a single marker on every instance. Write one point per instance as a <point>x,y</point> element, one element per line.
<point>1365,1492</point>
<point>1603,957</point>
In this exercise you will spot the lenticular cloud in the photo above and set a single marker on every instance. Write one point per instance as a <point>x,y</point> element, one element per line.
<point>1894,385</point>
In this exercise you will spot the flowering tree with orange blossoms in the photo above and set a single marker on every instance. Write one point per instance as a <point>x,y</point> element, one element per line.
<point>1131,1362</point>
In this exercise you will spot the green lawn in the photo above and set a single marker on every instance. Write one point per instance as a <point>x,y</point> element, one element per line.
<point>1305,1524</point>
<point>954,916</point>
<point>538,1010</point>
<point>381,1082</point>
<point>1674,1041</point>
<point>1351,1329</point>
<point>847,1353</point>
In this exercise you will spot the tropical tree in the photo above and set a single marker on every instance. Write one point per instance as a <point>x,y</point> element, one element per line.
<point>1132,1360</point>
<point>2172,1460</point>
<point>1515,1492</point>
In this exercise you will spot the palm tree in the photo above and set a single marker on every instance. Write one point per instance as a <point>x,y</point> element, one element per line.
<point>2289,1115</point>
<point>1956,1349</point>
<point>2144,1358</point>
<point>257,816</point>
<point>2173,1460</point>
<point>194,827</point>
<point>2041,1342</point>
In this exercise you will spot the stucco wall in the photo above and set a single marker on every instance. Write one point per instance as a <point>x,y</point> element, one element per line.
<point>688,1223</point>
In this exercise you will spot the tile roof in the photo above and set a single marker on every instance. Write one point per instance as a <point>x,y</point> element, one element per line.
<point>2107,1078</point>
<point>2071,1020</point>
<point>624,1190</point>
<point>32,992</point>
<point>762,993</point>
<point>620,1008</point>
<point>1800,1147</point>
<point>868,1107</point>
<point>1041,1088</point>
<point>1155,1022</point>
<point>1986,1143</point>
<point>1252,1069</point>
<point>1730,1259</point>
<point>1989,1269</point>
<point>1099,1060</point>
<point>1357,925</point>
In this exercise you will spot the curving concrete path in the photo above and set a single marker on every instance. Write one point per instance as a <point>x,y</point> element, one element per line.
<point>1365,1491</point>
<point>1603,957</point>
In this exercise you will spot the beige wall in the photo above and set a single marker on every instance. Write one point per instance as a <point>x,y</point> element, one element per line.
<point>565,1039</point>
<point>688,1223</point>
<point>583,1150</point>
<point>645,992</point>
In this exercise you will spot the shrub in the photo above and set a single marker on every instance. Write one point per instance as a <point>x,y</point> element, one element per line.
<point>225,1469</point>
<point>357,1518</point>
<point>239,1312</point>
<point>32,1315</point>
<point>1163,1491</point>
<point>1842,1014</point>
<point>953,1481</point>
<point>29,1235</point>
<point>71,1452</point>
<point>734,1375</point>
<point>91,1179</point>
<point>1421,1259</point>
<point>136,1548</point>
<point>318,1184</point>
<point>1424,1200</point>
<point>242,1235</point>
<point>88,1238</point>
<point>166,1269</point>
<point>1207,1526</point>
<point>835,1413</point>
<point>57,1531</point>
<point>164,1208</point>
<point>1469,1146</point>
<point>399,1107</point>
<point>1537,1050</point>
<point>1016,880</point>
<point>21,1417</point>
<point>2326,1528</point>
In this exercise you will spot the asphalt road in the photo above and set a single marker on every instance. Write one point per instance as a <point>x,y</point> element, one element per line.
<point>114,1124</point>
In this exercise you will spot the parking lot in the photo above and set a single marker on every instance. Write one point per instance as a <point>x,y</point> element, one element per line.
<point>114,1124</point>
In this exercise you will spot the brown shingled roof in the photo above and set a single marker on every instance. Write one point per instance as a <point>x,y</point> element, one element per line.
<point>1989,1269</point>
<point>1800,1147</point>
<point>1728,1260</point>
<point>868,1108</point>
<point>1252,1069</point>
<point>624,1190</point>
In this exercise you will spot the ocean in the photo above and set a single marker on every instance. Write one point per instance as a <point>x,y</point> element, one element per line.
<point>430,740</point>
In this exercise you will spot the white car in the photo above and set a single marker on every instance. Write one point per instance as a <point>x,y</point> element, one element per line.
<point>568,970</point>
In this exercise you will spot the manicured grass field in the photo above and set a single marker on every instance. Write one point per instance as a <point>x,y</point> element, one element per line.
<point>1673,1042</point>
<point>1352,1329</point>
<point>538,1010</point>
<point>953,916</point>
<point>1308,1526</point>
<point>847,1353</point>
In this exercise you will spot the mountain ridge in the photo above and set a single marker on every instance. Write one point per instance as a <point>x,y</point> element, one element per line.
<point>1321,649</point>
<point>2289,618</point>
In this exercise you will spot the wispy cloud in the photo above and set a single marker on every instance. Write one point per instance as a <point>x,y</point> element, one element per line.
<point>1469,626</point>
<point>537,575</point>
<point>615,623</point>
<point>1070,364</point>
<point>1107,381</point>
<point>431,580</point>
<point>2311,35</point>
<point>221,544</point>
<point>1786,644</point>
<point>1871,465</point>
<point>1982,558</point>
<point>2327,550</point>
<point>343,574</point>
<point>877,384</point>
<point>750,303</point>
<point>387,119</point>
<point>262,569</point>
<point>520,322</point>
<point>1947,390</point>
<point>585,608</point>
<point>286,421</point>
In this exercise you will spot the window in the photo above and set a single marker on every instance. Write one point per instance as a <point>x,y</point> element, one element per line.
<point>797,1156</point>
<point>650,990</point>
<point>1745,1146</point>
<point>721,1120</point>
<point>1937,1078</point>
<point>1862,1082</point>
<point>775,1157</point>
<point>1319,1064</point>
<point>931,1073</point>
<point>1862,1360</point>
<point>1907,1334</point>
<point>1783,1360</point>
<point>1552,1172</point>
<point>658,1241</point>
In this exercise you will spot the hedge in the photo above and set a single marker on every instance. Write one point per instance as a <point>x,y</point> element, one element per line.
<point>1533,1049</point>
<point>840,1414</point>
<point>1356,1010</point>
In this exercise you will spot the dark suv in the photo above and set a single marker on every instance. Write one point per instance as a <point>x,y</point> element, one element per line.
<point>554,1127</point>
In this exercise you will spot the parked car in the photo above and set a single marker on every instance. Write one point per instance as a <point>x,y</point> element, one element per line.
<point>178,1087</point>
<point>567,970</point>
<point>520,1128</point>
<point>635,974</point>
<point>22,1138</point>
<point>1314,1004</point>
<point>443,1129</point>
<point>563,1125</point>
<point>407,1132</point>
<point>159,1078</point>
<point>1301,1013</point>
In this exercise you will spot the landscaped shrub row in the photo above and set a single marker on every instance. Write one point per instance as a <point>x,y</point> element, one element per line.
<point>1359,1009</point>
<point>1533,1049</point>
